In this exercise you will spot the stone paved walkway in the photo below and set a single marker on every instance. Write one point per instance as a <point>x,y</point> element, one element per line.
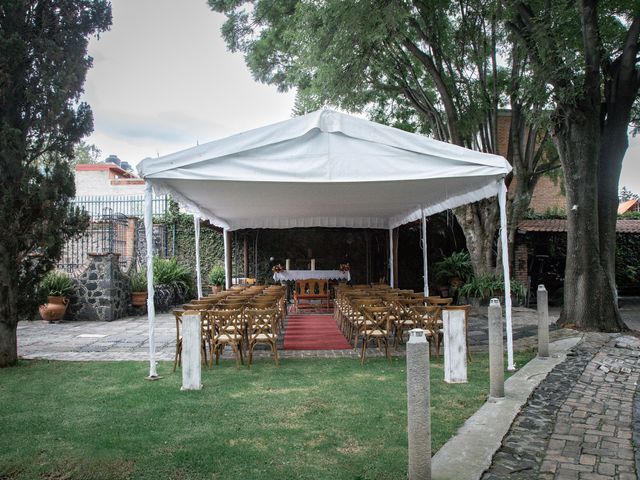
<point>127,339</point>
<point>578,424</point>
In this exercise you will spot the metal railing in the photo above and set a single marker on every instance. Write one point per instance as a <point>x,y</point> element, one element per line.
<point>127,205</point>
<point>116,227</point>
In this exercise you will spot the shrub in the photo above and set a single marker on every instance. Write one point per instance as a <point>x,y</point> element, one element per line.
<point>56,284</point>
<point>458,264</point>
<point>490,285</point>
<point>139,281</point>
<point>216,275</point>
<point>167,271</point>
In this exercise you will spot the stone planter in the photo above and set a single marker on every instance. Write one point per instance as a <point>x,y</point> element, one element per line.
<point>139,299</point>
<point>215,288</point>
<point>54,309</point>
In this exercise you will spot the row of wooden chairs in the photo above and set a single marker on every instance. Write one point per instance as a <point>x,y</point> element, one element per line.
<point>240,318</point>
<point>377,313</point>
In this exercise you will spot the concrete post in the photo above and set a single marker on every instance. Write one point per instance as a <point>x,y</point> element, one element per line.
<point>191,344</point>
<point>543,322</point>
<point>418,406</point>
<point>455,347</point>
<point>496,350</point>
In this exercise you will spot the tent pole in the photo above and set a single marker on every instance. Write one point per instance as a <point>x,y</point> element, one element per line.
<point>227,257</point>
<point>151,311</point>
<point>425,267</point>
<point>391,279</point>
<point>196,231</point>
<point>502,201</point>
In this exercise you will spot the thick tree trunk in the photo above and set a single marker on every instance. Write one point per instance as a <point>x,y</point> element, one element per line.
<point>614,146</point>
<point>589,302</point>
<point>8,320</point>
<point>479,222</point>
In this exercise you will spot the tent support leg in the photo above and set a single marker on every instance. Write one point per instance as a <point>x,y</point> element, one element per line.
<point>151,311</point>
<point>425,266</point>
<point>502,201</point>
<point>196,229</point>
<point>227,257</point>
<point>391,279</point>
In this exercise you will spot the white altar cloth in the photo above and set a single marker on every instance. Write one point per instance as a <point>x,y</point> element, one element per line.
<point>292,275</point>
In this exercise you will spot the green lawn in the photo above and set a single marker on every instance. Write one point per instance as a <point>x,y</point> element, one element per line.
<point>307,419</point>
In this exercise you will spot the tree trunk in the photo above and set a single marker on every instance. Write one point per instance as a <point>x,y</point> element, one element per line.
<point>479,222</point>
<point>614,145</point>
<point>589,302</point>
<point>8,320</point>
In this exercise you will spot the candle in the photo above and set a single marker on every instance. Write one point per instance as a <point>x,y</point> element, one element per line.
<point>287,264</point>
<point>313,264</point>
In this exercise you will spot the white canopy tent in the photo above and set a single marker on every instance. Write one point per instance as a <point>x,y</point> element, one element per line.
<point>326,169</point>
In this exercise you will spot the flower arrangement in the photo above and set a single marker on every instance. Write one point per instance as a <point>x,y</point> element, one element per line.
<point>277,268</point>
<point>344,267</point>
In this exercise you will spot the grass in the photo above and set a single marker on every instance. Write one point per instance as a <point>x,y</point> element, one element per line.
<point>307,419</point>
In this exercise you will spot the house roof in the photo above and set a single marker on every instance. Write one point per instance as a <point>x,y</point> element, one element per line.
<point>112,167</point>
<point>560,225</point>
<point>626,206</point>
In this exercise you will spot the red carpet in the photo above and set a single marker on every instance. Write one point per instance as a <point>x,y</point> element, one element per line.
<point>313,332</point>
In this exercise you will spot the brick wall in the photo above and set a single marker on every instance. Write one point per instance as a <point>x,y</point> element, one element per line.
<point>548,195</point>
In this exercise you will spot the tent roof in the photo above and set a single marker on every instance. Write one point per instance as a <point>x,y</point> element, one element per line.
<point>323,169</point>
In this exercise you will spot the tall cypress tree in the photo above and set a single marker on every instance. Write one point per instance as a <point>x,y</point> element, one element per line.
<point>43,64</point>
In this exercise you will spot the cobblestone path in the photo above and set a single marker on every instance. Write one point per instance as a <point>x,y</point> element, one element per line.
<point>578,423</point>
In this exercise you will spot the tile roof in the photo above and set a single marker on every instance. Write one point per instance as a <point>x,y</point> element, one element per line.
<point>560,225</point>
<point>626,206</point>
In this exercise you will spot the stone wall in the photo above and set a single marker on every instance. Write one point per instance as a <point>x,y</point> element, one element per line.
<point>102,290</point>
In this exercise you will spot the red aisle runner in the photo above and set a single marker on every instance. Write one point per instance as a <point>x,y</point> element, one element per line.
<point>313,332</point>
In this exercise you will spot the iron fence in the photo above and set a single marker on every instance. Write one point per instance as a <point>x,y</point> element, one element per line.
<point>127,205</point>
<point>116,227</point>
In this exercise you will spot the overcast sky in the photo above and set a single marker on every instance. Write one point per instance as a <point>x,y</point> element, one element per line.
<point>163,81</point>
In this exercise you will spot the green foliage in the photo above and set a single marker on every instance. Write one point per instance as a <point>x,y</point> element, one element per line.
<point>490,285</point>
<point>56,284</point>
<point>627,260</point>
<point>630,216</point>
<point>182,235</point>
<point>217,275</point>
<point>139,281</point>
<point>458,264</point>
<point>549,213</point>
<point>43,64</point>
<point>86,153</point>
<point>167,271</point>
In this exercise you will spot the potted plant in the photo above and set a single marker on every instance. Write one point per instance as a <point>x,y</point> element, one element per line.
<point>56,286</point>
<point>216,278</point>
<point>453,271</point>
<point>139,292</point>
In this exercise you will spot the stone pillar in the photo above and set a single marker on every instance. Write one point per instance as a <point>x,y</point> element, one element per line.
<point>496,350</point>
<point>455,347</point>
<point>191,344</point>
<point>543,322</point>
<point>418,406</point>
<point>102,291</point>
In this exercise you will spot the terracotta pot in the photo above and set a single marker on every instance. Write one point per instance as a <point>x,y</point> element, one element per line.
<point>139,299</point>
<point>215,288</point>
<point>54,309</point>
